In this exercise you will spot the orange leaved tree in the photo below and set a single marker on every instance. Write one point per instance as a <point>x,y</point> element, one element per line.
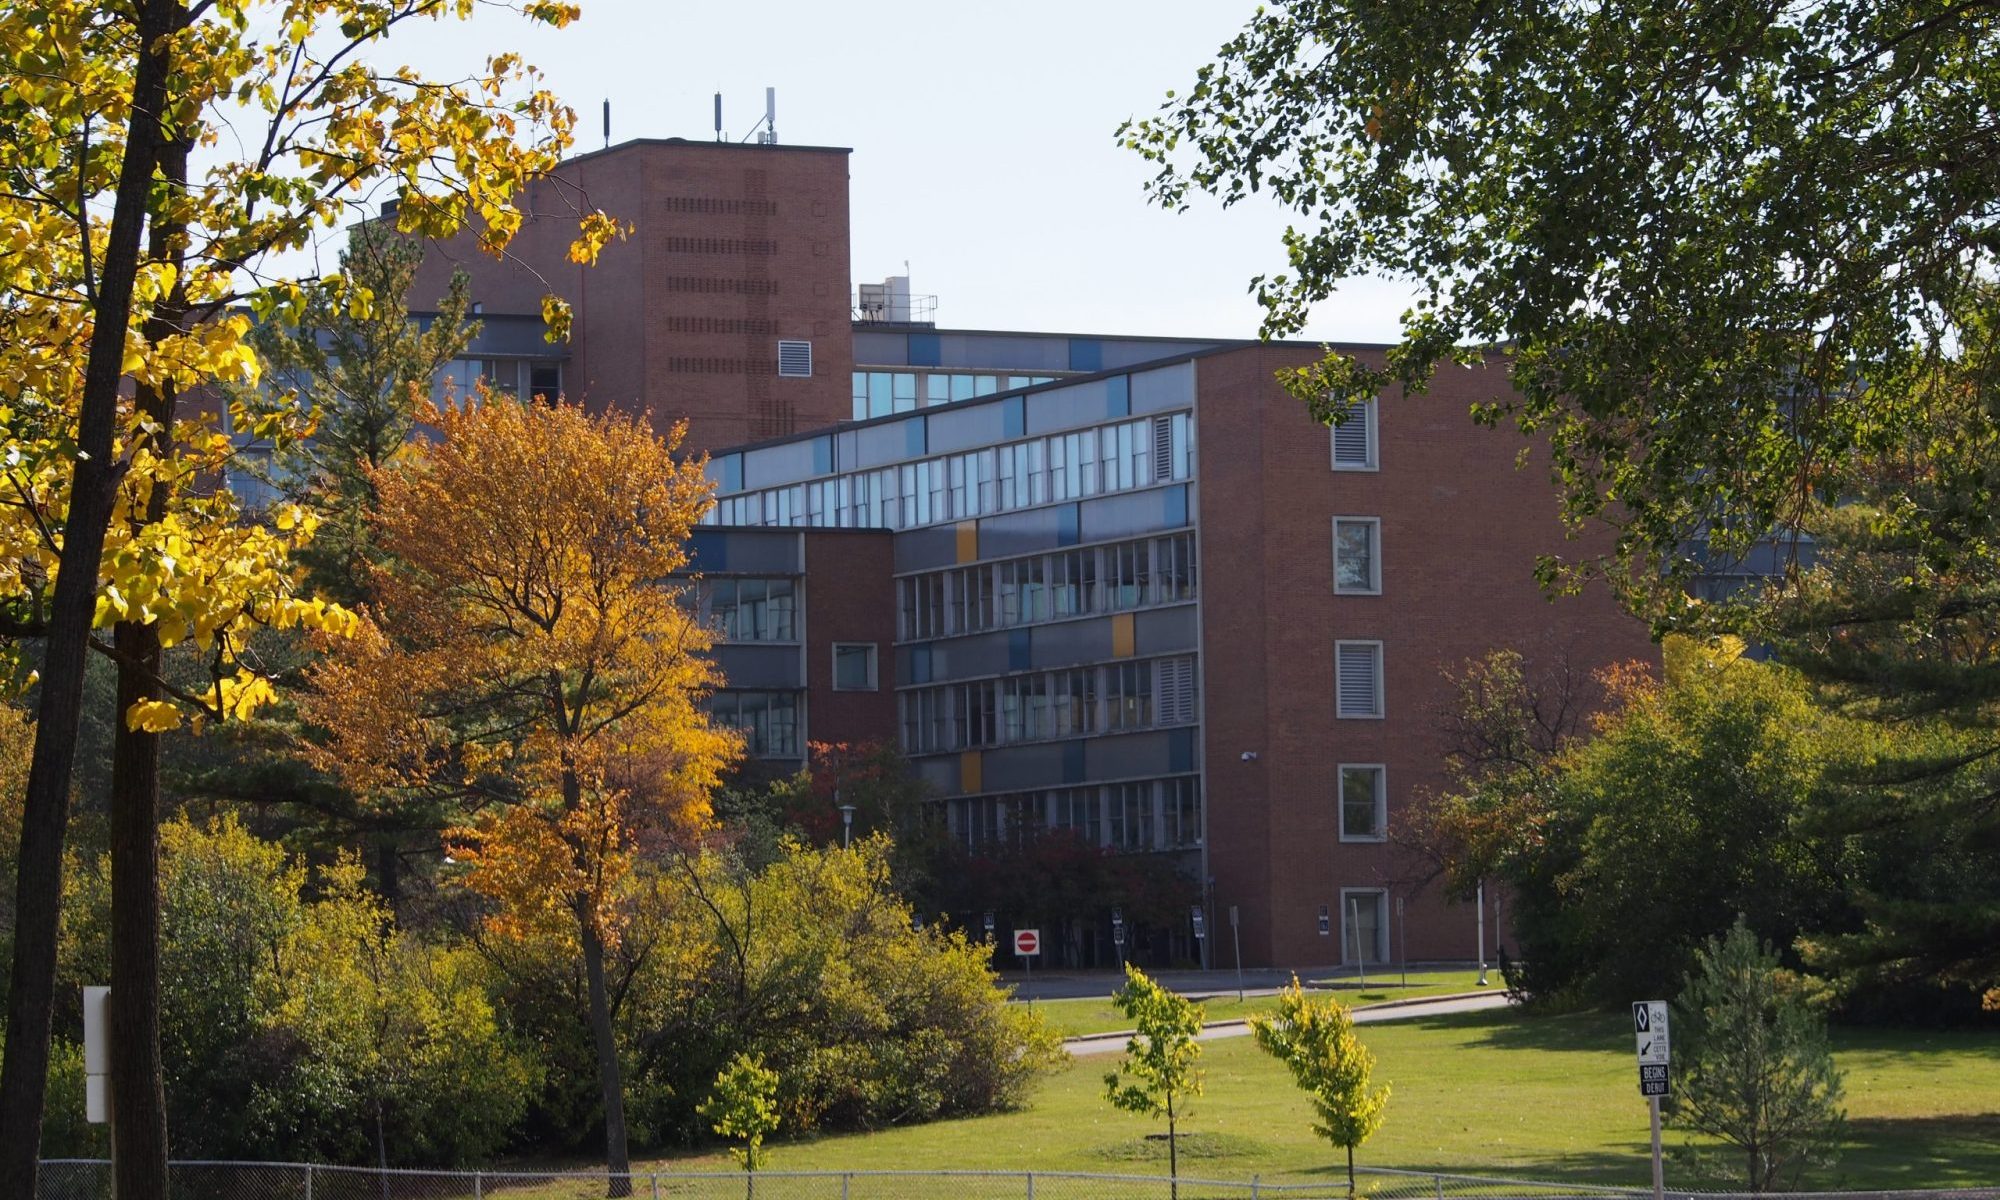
<point>530,659</point>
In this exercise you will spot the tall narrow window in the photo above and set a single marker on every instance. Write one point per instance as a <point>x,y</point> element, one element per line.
<point>1357,679</point>
<point>1357,559</point>
<point>1354,439</point>
<point>1363,802</point>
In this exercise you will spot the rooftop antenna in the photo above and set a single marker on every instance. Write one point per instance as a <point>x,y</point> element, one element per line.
<point>766,130</point>
<point>607,123</point>
<point>718,116</point>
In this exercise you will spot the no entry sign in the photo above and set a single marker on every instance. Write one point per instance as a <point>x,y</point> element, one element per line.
<point>1027,942</point>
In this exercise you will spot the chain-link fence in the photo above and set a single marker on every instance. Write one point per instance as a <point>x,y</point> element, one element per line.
<point>90,1179</point>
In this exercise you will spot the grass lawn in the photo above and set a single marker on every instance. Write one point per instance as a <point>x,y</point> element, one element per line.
<point>1492,1092</point>
<point>1074,1017</point>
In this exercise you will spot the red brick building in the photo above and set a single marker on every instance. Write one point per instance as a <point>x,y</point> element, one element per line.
<point>1118,586</point>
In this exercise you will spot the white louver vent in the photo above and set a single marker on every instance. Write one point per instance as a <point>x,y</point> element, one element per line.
<point>1358,679</point>
<point>795,360</point>
<point>1163,448</point>
<point>1173,691</point>
<point>1354,439</point>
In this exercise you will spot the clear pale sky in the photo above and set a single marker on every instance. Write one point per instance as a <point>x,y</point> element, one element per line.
<point>982,138</point>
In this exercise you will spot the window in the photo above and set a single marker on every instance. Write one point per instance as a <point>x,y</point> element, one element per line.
<point>753,610</point>
<point>854,666</point>
<point>795,360</point>
<point>1357,669</point>
<point>1357,560</point>
<point>1174,691</point>
<point>1180,806</point>
<point>545,381</point>
<point>1364,925</point>
<point>1364,802</point>
<point>1354,439</point>
<point>769,721</point>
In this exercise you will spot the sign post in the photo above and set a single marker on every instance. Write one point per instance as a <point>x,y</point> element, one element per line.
<point>1200,937</point>
<point>1028,944</point>
<point>1236,937</point>
<point>1118,936</point>
<point>1649,1028</point>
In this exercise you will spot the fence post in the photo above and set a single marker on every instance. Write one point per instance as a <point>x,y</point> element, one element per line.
<point>1031,1185</point>
<point>1439,1180</point>
<point>309,1181</point>
<point>478,1185</point>
<point>656,1185</point>
<point>844,1177</point>
<point>1253,1187</point>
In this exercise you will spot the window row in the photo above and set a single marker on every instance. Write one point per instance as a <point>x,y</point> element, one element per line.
<point>1154,814</point>
<point>520,378</point>
<point>1112,458</point>
<point>1038,706</point>
<point>1047,587</point>
<point>769,721</point>
<point>881,393</point>
<point>749,610</point>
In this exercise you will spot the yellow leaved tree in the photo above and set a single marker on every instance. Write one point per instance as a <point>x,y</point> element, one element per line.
<point>532,660</point>
<point>154,156</point>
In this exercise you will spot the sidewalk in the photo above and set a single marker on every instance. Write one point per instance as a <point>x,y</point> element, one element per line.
<point>1088,1044</point>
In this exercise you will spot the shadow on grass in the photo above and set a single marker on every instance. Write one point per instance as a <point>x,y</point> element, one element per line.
<point>1957,1150</point>
<point>1515,1029</point>
<point>1189,1146</point>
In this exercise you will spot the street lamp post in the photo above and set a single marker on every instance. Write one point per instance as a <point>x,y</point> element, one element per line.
<point>846,821</point>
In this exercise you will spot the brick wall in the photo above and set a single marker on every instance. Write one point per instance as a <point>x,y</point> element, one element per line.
<point>850,597</point>
<point>1461,528</point>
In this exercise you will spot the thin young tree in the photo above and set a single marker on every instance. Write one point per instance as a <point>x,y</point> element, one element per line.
<point>1157,1076</point>
<point>1755,1069</point>
<point>1315,1039</point>
<point>532,659</point>
<point>744,1108</point>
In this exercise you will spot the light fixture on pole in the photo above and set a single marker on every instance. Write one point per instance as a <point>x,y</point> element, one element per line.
<point>846,823</point>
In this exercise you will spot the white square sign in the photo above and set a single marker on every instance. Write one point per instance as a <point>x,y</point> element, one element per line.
<point>1649,1027</point>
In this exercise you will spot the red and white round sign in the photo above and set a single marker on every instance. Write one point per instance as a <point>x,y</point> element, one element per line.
<point>1027,941</point>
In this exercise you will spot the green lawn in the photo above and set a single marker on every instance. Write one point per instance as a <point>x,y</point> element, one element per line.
<point>1074,1017</point>
<point>1494,1092</point>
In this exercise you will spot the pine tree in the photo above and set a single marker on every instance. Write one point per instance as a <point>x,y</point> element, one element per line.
<point>1756,1070</point>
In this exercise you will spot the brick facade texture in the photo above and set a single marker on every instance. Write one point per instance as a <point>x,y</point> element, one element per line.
<point>733,249</point>
<point>1461,529</point>
<point>850,596</point>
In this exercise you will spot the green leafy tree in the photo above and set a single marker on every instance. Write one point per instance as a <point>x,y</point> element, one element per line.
<point>1739,264</point>
<point>1157,1076</point>
<point>743,1107</point>
<point>1755,1069</point>
<point>1314,1038</point>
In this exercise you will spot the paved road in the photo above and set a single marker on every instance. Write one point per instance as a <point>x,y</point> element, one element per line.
<point>1112,1043</point>
<point>1203,985</point>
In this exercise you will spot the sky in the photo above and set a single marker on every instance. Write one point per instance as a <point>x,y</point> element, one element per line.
<point>982,133</point>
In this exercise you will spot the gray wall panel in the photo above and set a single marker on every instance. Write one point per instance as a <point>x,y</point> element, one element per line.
<point>1071,643</point>
<point>959,658</point>
<point>760,666</point>
<point>758,552</point>
<point>1009,534</point>
<point>1124,354</point>
<point>769,466</point>
<point>1127,756</point>
<point>923,549</point>
<point>1070,407</point>
<point>1164,630</point>
<point>1168,387</point>
<point>881,349</point>
<point>1017,768</point>
<point>940,773</point>
<point>1124,515</point>
<point>954,429</point>
<point>880,445</point>
<point>965,352</point>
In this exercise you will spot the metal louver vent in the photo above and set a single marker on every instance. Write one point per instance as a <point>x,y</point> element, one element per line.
<point>795,360</point>
<point>1354,438</point>
<point>1163,448</point>
<point>1173,691</point>
<point>1358,686</point>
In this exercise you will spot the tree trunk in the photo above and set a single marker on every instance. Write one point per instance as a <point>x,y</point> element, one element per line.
<point>1173,1154</point>
<point>45,810</point>
<point>616,1160</point>
<point>1350,1170</point>
<point>138,1096</point>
